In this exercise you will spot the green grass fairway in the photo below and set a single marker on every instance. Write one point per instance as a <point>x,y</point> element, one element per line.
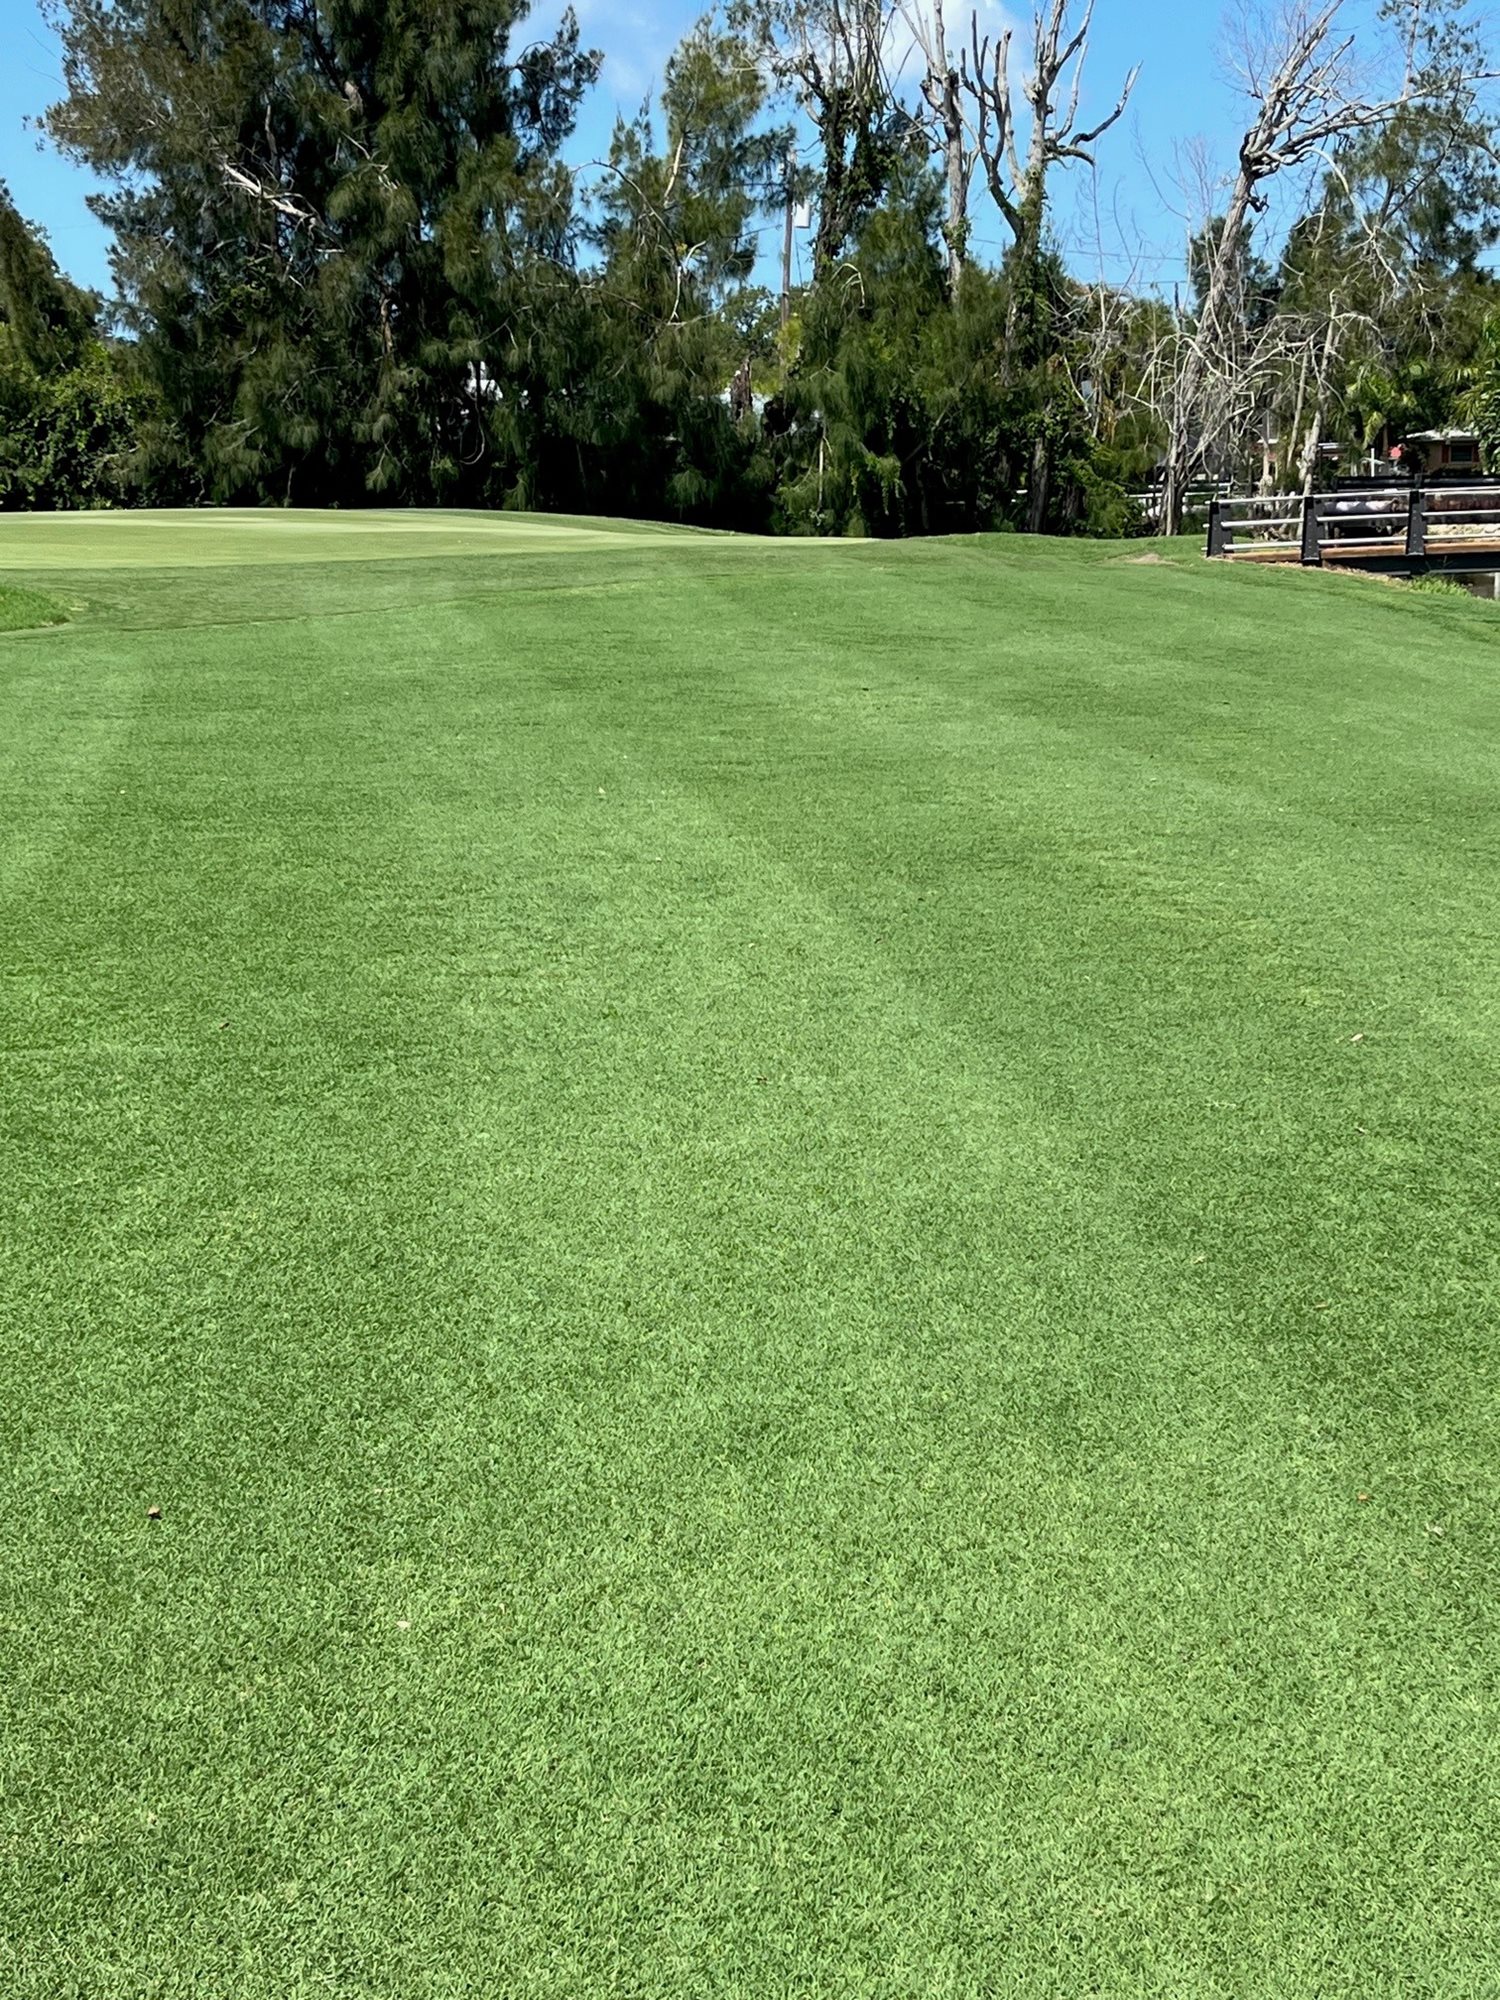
<point>801,1242</point>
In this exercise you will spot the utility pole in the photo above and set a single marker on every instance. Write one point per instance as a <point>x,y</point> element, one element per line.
<point>786,239</point>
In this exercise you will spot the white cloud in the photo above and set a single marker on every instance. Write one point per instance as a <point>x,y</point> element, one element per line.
<point>908,15</point>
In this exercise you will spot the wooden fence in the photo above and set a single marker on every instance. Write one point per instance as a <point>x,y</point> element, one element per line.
<point>1401,528</point>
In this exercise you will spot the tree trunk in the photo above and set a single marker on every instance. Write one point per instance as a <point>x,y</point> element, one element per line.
<point>1294,428</point>
<point>941,91</point>
<point>956,228</point>
<point>949,108</point>
<point>1038,486</point>
<point>1182,443</point>
<point>1322,379</point>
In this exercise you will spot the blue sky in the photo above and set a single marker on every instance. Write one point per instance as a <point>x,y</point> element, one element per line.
<point>1120,221</point>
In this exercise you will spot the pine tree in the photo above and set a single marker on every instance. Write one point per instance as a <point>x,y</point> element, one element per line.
<point>47,321</point>
<point>672,290</point>
<point>327,217</point>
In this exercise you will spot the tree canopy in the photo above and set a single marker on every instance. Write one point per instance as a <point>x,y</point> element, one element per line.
<point>354,262</point>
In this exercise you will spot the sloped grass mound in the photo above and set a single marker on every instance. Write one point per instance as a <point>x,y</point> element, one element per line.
<point>21,610</point>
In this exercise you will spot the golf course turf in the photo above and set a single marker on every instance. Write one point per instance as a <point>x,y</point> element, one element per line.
<point>743,1269</point>
<point>22,609</point>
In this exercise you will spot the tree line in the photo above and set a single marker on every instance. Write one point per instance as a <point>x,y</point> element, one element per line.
<point>352,265</point>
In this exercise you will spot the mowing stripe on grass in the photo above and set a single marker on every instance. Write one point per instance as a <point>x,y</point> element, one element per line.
<point>802,1256</point>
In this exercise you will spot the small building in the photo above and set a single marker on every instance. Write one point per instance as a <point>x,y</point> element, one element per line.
<point>1429,457</point>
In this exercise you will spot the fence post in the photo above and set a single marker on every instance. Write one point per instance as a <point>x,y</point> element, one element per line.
<point>1216,545</point>
<point>1311,553</point>
<point>1416,523</point>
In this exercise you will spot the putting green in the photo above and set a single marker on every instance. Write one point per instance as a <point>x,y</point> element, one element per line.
<point>176,538</point>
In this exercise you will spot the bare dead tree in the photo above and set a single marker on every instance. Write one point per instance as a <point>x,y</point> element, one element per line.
<point>1282,371</point>
<point>944,116</point>
<point>1051,92</point>
<point>1302,82</point>
<point>1058,54</point>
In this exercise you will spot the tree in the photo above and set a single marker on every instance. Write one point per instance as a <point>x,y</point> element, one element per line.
<point>671,300</point>
<point>327,214</point>
<point>68,413</point>
<point>48,321</point>
<point>1252,274</point>
<point>676,225</point>
<point>1310,100</point>
<point>1406,212</point>
<point>831,58</point>
<point>1481,405</point>
<point>943,117</point>
<point>1018,184</point>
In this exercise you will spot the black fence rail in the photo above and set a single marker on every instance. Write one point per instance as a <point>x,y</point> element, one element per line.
<point>1398,528</point>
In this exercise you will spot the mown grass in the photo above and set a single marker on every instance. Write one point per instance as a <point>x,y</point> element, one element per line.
<point>801,1246</point>
<point>23,609</point>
